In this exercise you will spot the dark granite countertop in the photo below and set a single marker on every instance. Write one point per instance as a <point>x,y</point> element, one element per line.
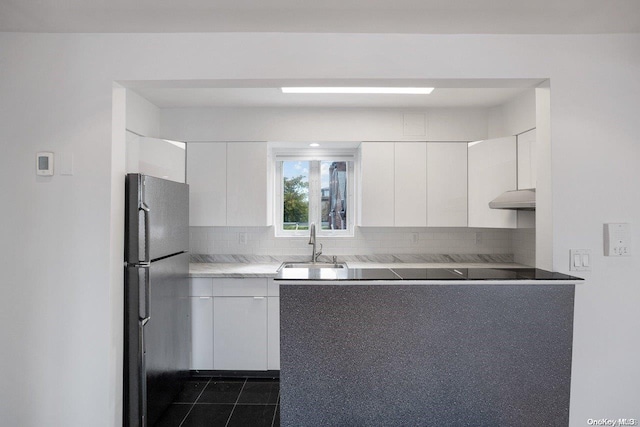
<point>443,275</point>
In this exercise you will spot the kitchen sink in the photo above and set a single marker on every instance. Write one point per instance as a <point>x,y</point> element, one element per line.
<point>312,265</point>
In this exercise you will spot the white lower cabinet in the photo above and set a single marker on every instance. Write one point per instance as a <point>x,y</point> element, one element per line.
<point>235,324</point>
<point>273,333</point>
<point>202,333</point>
<point>240,333</point>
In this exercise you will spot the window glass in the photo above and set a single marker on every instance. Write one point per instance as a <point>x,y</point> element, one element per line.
<point>295,185</point>
<point>333,191</point>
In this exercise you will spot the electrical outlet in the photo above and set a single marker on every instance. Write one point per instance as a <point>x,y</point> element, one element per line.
<point>616,240</point>
<point>242,238</point>
<point>580,260</point>
<point>414,238</point>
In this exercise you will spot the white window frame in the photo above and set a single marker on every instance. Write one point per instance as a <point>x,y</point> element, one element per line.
<point>314,157</point>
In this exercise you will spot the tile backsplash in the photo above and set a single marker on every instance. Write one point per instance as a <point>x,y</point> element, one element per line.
<point>367,241</point>
<point>524,246</point>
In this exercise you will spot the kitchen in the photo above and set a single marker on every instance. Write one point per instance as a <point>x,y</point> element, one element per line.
<point>74,112</point>
<point>232,249</point>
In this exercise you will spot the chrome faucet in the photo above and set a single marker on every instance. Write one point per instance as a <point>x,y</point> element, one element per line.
<point>312,241</point>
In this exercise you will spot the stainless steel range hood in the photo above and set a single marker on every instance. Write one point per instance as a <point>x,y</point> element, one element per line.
<point>516,199</point>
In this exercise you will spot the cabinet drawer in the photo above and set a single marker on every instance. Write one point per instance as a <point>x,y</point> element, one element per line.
<point>200,287</point>
<point>240,287</point>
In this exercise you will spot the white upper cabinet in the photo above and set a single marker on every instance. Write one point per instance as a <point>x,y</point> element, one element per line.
<point>527,162</point>
<point>377,184</point>
<point>492,171</point>
<point>446,184</point>
<point>207,179</point>
<point>410,184</point>
<point>229,184</point>
<point>413,184</point>
<point>248,195</point>
<point>155,157</point>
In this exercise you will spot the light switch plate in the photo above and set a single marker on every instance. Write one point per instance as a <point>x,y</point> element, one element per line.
<point>616,239</point>
<point>65,163</point>
<point>580,260</point>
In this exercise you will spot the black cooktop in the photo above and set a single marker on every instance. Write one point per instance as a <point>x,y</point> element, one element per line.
<point>480,274</point>
<point>440,274</point>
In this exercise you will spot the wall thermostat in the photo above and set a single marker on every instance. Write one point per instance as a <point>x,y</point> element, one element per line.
<point>44,164</point>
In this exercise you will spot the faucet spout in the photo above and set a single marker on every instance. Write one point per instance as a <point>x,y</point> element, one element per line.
<point>312,241</point>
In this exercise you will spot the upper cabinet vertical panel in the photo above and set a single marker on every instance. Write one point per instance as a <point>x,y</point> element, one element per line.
<point>377,204</point>
<point>410,184</point>
<point>446,184</point>
<point>248,192</point>
<point>527,162</point>
<point>492,171</point>
<point>207,179</point>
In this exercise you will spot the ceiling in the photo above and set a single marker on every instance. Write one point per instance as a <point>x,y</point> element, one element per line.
<point>325,16</point>
<point>273,97</point>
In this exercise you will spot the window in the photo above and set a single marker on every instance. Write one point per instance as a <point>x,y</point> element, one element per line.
<point>316,189</point>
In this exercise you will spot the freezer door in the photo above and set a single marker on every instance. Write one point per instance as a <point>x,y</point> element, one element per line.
<point>157,218</point>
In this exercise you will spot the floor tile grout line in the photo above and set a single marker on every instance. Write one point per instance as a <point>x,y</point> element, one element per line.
<point>236,404</point>
<point>273,420</point>
<point>194,403</point>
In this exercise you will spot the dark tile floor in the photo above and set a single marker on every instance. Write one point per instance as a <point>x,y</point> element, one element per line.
<point>225,402</point>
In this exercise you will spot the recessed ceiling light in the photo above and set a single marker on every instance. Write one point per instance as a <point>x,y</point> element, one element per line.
<point>365,90</point>
<point>314,144</point>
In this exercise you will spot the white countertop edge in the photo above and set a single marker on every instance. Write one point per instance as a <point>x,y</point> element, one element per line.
<point>240,270</point>
<point>541,282</point>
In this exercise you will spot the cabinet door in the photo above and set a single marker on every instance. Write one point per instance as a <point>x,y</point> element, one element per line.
<point>492,171</point>
<point>273,333</point>
<point>248,195</point>
<point>410,184</point>
<point>527,163</point>
<point>240,333</point>
<point>201,333</point>
<point>207,179</point>
<point>377,184</point>
<point>446,184</point>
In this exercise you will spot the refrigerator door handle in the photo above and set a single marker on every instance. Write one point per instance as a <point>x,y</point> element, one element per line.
<point>143,237</point>
<point>143,294</point>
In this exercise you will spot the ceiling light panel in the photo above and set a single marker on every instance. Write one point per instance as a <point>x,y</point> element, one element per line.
<point>361,90</point>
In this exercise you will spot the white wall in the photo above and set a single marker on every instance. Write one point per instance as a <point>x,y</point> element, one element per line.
<point>143,117</point>
<point>320,124</point>
<point>513,117</point>
<point>59,303</point>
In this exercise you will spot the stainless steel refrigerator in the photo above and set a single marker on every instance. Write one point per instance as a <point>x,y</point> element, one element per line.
<point>157,311</point>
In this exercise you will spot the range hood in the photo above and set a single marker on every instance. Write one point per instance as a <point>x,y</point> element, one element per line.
<point>516,199</point>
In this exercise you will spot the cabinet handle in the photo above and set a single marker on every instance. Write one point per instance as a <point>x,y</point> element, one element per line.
<point>258,297</point>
